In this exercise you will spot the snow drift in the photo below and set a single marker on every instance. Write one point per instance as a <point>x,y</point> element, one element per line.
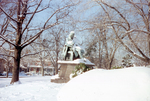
<point>31,88</point>
<point>129,84</point>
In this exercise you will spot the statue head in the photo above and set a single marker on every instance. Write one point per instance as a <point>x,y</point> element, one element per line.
<point>71,35</point>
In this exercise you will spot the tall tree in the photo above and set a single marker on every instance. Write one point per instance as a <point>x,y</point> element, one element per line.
<point>21,24</point>
<point>55,44</point>
<point>133,25</point>
<point>39,51</point>
<point>104,42</point>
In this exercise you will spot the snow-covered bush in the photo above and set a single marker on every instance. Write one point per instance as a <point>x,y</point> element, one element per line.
<point>79,69</point>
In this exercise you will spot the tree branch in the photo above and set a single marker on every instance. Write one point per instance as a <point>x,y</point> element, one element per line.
<point>30,40</point>
<point>137,46</point>
<point>55,13</point>
<point>38,11</point>
<point>12,26</point>
<point>8,15</point>
<point>7,55</point>
<point>140,10</point>
<point>4,26</point>
<point>1,36</point>
<point>117,12</point>
<point>31,17</point>
<point>116,23</point>
<point>120,40</point>
<point>33,53</point>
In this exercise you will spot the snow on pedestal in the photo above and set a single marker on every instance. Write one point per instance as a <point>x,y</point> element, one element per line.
<point>129,84</point>
<point>77,61</point>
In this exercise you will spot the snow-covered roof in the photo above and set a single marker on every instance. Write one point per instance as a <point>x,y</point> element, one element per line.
<point>35,66</point>
<point>38,66</point>
<point>23,66</point>
<point>48,67</point>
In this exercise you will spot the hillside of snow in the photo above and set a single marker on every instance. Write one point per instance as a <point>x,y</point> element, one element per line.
<point>128,84</point>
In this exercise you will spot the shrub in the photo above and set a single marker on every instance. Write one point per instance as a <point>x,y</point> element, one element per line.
<point>126,61</point>
<point>116,67</point>
<point>79,69</point>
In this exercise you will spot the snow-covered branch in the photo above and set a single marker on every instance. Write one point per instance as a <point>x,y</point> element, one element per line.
<point>7,14</point>
<point>55,13</point>
<point>7,55</point>
<point>110,23</point>
<point>7,40</point>
<point>121,15</point>
<point>136,30</point>
<point>31,17</point>
<point>33,53</point>
<point>38,11</point>
<point>30,40</point>
<point>12,26</point>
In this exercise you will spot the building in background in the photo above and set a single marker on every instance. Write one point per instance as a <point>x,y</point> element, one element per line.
<point>2,65</point>
<point>35,66</point>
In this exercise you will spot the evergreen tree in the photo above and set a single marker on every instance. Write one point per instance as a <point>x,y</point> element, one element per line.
<point>126,62</point>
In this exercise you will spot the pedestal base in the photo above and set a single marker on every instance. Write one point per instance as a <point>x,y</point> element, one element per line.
<point>60,80</point>
<point>67,67</point>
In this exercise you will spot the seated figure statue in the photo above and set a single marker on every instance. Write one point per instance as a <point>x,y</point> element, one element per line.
<point>71,50</point>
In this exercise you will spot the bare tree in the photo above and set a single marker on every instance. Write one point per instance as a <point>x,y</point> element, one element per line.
<point>104,42</point>
<point>8,59</point>
<point>104,47</point>
<point>54,45</point>
<point>4,25</point>
<point>21,25</point>
<point>39,49</point>
<point>133,25</point>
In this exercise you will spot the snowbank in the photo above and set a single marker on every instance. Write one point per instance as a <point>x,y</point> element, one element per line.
<point>129,84</point>
<point>36,88</point>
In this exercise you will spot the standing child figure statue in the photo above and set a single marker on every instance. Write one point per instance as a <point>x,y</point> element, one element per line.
<point>71,50</point>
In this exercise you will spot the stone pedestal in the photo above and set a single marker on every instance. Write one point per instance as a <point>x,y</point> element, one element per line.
<point>67,67</point>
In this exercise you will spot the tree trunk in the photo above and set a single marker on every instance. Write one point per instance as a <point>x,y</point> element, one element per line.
<point>149,28</point>
<point>148,44</point>
<point>18,48</point>
<point>16,67</point>
<point>100,55</point>
<point>7,69</point>
<point>42,63</point>
<point>56,69</point>
<point>7,72</point>
<point>56,66</point>
<point>42,70</point>
<point>57,52</point>
<point>107,65</point>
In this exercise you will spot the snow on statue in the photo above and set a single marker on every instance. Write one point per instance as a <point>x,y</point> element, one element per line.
<point>71,49</point>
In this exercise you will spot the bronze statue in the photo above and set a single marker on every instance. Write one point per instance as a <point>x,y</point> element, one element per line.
<point>71,50</point>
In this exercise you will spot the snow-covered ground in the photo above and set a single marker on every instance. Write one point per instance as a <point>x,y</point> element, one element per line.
<point>129,84</point>
<point>34,88</point>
